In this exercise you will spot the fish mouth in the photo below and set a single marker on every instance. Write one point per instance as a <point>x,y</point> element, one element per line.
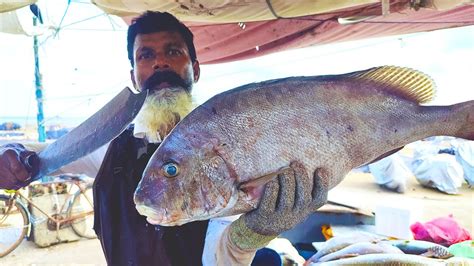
<point>153,216</point>
<point>153,221</point>
<point>161,222</point>
<point>164,218</point>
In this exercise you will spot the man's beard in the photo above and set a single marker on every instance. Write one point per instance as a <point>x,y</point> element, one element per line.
<point>162,110</point>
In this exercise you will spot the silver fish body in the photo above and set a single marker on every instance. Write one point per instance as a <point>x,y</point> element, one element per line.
<point>337,243</point>
<point>361,249</point>
<point>332,122</point>
<point>384,259</point>
<point>420,247</point>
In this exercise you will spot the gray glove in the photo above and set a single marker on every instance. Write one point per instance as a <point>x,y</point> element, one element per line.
<point>287,201</point>
<point>17,164</point>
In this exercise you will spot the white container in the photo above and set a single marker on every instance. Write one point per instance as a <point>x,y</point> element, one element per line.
<point>394,219</point>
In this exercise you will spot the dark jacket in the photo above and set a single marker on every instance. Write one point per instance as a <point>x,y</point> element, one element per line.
<point>125,235</point>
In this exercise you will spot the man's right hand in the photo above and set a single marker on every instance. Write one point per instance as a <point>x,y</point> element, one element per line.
<point>17,166</point>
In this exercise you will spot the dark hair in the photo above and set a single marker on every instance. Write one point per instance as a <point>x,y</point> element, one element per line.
<point>150,22</point>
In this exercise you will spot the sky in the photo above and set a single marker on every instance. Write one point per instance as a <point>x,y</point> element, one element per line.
<point>85,64</point>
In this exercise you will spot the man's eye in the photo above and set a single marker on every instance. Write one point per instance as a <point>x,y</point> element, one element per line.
<point>174,52</point>
<point>145,56</point>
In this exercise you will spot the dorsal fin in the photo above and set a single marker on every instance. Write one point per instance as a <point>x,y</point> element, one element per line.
<point>408,83</point>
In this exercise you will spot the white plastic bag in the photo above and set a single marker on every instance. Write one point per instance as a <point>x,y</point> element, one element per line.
<point>391,173</point>
<point>440,171</point>
<point>465,157</point>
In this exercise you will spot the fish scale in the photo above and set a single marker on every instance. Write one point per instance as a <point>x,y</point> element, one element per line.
<point>250,133</point>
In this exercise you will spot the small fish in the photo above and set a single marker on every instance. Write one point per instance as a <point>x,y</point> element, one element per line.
<point>217,160</point>
<point>438,252</point>
<point>358,249</point>
<point>384,259</point>
<point>420,247</point>
<point>337,243</point>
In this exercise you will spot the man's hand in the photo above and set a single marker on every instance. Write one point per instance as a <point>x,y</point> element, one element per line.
<point>287,201</point>
<point>17,164</point>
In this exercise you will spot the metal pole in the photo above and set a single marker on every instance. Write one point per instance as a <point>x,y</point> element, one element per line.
<point>39,90</point>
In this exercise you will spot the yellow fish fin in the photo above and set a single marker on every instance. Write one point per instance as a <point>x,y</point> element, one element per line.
<point>410,84</point>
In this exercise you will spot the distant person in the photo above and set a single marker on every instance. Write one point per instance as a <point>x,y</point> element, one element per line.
<point>163,59</point>
<point>10,126</point>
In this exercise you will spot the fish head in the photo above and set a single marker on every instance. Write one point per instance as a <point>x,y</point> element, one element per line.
<point>186,179</point>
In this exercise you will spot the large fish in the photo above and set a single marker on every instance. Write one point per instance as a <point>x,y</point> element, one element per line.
<point>216,161</point>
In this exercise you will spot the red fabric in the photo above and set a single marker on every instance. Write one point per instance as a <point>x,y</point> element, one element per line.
<point>218,43</point>
<point>444,231</point>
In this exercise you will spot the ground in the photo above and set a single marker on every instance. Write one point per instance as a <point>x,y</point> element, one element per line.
<point>82,252</point>
<point>356,190</point>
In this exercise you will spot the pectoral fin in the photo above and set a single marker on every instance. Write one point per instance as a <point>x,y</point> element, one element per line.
<point>260,181</point>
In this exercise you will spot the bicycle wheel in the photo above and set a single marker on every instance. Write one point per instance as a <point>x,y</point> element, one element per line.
<point>14,224</point>
<point>82,204</point>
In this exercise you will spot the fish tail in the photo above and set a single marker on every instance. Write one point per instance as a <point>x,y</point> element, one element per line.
<point>464,113</point>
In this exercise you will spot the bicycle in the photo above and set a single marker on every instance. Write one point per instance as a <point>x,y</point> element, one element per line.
<point>76,212</point>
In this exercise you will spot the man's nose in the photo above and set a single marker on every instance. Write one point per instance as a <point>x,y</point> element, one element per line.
<point>160,64</point>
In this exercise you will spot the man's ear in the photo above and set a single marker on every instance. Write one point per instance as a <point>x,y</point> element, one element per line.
<point>196,70</point>
<point>134,82</point>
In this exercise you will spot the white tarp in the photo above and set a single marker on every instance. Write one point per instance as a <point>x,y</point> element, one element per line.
<point>10,5</point>
<point>20,21</point>
<point>443,171</point>
<point>228,11</point>
<point>248,10</point>
<point>465,156</point>
<point>9,23</point>
<point>440,171</point>
<point>391,173</point>
<point>432,163</point>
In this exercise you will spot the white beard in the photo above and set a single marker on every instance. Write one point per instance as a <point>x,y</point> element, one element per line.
<point>160,112</point>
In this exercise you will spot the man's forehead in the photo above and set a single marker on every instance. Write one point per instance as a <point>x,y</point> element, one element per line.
<point>159,39</point>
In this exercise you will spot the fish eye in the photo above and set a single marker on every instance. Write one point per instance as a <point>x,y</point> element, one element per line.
<point>170,170</point>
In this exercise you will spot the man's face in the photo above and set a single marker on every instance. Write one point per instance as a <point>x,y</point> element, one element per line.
<point>162,66</point>
<point>162,52</point>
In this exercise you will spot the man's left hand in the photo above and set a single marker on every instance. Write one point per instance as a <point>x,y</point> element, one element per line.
<point>286,201</point>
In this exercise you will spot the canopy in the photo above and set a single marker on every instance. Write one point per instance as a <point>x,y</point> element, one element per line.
<point>241,29</point>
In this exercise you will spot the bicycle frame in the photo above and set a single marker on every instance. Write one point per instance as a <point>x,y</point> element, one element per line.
<point>4,216</point>
<point>55,221</point>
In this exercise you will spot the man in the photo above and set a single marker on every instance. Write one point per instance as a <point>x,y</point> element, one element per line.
<point>164,62</point>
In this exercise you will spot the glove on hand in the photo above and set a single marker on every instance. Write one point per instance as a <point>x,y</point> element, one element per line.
<point>17,165</point>
<point>287,201</point>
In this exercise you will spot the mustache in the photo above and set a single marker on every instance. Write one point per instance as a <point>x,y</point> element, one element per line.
<point>168,76</point>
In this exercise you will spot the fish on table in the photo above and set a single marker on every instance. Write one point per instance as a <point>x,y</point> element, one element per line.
<point>337,243</point>
<point>420,247</point>
<point>217,160</point>
<point>358,249</point>
<point>384,259</point>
